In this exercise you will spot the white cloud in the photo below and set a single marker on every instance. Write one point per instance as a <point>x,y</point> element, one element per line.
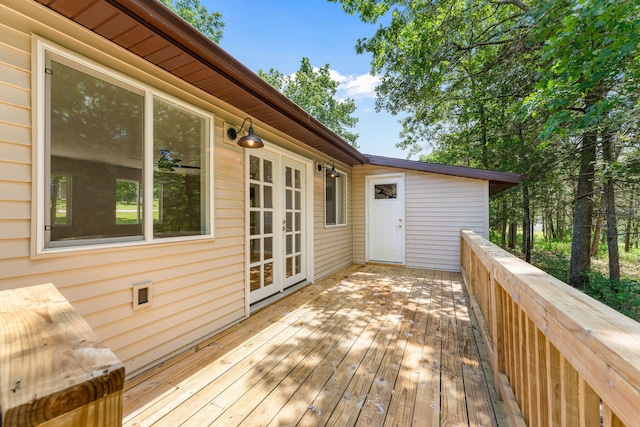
<point>356,85</point>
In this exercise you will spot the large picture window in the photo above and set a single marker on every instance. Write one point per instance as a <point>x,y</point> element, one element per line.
<point>122,162</point>
<point>335,199</point>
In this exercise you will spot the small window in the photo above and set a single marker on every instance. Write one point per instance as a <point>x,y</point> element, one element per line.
<point>335,199</point>
<point>386,191</point>
<point>101,134</point>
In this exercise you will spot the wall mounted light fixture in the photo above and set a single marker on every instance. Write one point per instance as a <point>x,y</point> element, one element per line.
<point>333,173</point>
<point>247,141</point>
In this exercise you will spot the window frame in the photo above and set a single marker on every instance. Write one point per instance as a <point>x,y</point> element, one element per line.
<point>41,173</point>
<point>343,176</point>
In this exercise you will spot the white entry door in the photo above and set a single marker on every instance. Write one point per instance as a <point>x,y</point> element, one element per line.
<point>276,229</point>
<point>385,203</point>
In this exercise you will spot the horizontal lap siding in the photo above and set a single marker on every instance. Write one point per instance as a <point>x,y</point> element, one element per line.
<point>437,207</point>
<point>198,286</point>
<point>333,246</point>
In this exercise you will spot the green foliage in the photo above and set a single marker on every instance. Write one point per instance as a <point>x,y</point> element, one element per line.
<point>196,14</point>
<point>589,48</point>
<point>622,296</point>
<point>552,256</point>
<point>313,90</point>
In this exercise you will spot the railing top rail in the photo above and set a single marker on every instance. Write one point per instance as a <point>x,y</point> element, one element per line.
<point>601,343</point>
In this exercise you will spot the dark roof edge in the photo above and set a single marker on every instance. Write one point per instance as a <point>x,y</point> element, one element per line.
<point>498,181</point>
<point>155,16</point>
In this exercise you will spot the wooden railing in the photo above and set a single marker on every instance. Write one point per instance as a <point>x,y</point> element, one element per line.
<point>560,358</point>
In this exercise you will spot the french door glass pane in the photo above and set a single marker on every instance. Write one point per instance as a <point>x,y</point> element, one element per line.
<point>268,171</point>
<point>268,222</point>
<point>254,278</point>
<point>254,167</point>
<point>268,196</point>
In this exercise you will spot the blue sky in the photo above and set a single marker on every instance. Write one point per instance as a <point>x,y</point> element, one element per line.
<point>278,33</point>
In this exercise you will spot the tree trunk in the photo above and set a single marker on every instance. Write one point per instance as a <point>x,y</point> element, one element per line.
<point>526,226</point>
<point>483,136</point>
<point>513,238</point>
<point>598,229</point>
<point>629,227</point>
<point>610,208</point>
<point>552,230</point>
<point>583,210</point>
<point>503,222</point>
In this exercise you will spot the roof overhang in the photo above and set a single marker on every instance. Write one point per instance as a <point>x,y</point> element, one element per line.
<point>153,32</point>
<point>498,181</point>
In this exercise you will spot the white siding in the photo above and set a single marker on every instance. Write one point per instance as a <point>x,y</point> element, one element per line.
<point>436,208</point>
<point>198,286</point>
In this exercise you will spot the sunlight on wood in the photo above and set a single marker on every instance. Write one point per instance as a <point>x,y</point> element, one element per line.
<point>369,344</point>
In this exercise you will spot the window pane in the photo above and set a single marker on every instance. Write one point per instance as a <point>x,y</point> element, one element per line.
<point>95,138</point>
<point>386,191</point>
<point>60,205</point>
<point>128,208</point>
<point>254,195</point>
<point>330,199</point>
<point>287,175</point>
<point>289,267</point>
<point>297,178</point>
<point>336,199</point>
<point>254,278</point>
<point>254,250</point>
<point>288,201</point>
<point>268,171</point>
<point>254,168</point>
<point>180,138</point>
<point>268,222</point>
<point>289,244</point>
<point>254,223</point>
<point>268,196</point>
<point>268,248</point>
<point>268,274</point>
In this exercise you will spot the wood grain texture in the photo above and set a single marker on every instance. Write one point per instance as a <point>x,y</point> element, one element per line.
<point>53,367</point>
<point>363,346</point>
<point>566,354</point>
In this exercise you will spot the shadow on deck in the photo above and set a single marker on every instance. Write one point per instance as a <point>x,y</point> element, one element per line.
<point>369,345</point>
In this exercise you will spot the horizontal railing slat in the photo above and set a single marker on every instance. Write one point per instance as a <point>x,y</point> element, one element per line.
<point>599,347</point>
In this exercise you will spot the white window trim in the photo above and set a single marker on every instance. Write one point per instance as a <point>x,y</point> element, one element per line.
<point>344,175</point>
<point>41,46</point>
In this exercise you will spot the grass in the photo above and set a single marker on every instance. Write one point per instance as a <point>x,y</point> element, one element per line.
<point>552,256</point>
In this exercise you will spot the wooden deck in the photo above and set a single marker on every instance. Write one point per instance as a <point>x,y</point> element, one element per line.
<point>369,345</point>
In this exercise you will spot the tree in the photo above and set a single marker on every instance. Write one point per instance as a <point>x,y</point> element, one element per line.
<point>196,14</point>
<point>313,90</point>
<point>556,67</point>
<point>588,67</point>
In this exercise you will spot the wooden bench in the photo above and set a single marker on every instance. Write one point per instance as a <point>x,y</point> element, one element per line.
<point>54,370</point>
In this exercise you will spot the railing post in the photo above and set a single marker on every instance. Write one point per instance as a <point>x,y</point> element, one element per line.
<point>497,329</point>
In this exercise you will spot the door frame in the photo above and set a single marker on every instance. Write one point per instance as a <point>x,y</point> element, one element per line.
<point>308,207</point>
<point>369,180</point>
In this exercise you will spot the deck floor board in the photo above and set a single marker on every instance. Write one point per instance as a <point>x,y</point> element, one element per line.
<point>369,345</point>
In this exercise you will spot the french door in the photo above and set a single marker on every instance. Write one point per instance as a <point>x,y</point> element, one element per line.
<point>277,234</point>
